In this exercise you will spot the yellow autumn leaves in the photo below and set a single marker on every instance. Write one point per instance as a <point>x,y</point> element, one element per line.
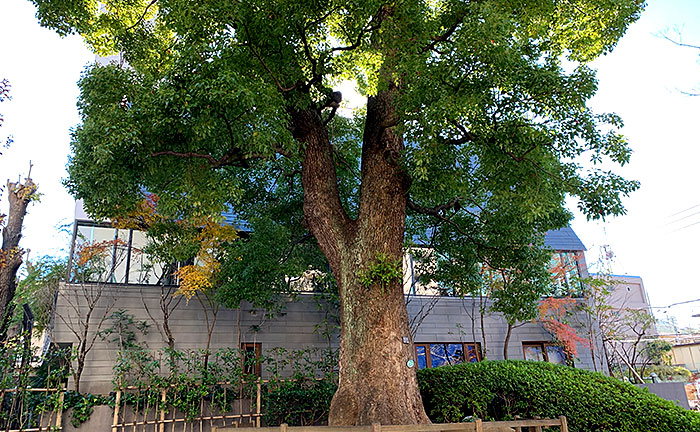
<point>201,275</point>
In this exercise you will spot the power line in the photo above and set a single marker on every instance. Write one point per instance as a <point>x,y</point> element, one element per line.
<point>675,304</point>
<point>683,211</point>
<point>684,217</point>
<point>687,226</point>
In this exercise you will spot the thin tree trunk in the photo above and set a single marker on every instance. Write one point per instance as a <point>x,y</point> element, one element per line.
<point>210,324</point>
<point>591,340</point>
<point>482,312</point>
<point>375,382</point>
<point>19,195</point>
<point>507,341</point>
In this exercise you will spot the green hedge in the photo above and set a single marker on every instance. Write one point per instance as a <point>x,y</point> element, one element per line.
<point>502,390</point>
<point>298,403</point>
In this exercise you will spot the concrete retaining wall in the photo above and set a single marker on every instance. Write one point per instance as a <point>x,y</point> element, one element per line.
<point>672,391</point>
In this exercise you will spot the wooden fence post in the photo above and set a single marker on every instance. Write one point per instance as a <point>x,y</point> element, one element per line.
<point>283,427</point>
<point>115,419</point>
<point>479,426</point>
<point>59,414</point>
<point>257,403</point>
<point>376,427</point>
<point>564,425</point>
<point>162,410</point>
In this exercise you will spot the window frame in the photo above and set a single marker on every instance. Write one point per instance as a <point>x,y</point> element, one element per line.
<point>465,350</point>
<point>567,286</point>
<point>543,345</point>
<point>257,348</point>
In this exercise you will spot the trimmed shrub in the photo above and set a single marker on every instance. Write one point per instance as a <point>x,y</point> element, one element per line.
<point>502,390</point>
<point>305,402</point>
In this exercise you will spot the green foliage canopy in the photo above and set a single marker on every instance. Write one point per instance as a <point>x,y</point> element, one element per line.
<point>496,128</point>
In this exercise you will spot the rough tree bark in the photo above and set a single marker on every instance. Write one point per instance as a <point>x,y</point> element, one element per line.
<point>19,195</point>
<point>375,382</point>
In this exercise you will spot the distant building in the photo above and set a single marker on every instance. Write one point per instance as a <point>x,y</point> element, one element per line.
<point>687,355</point>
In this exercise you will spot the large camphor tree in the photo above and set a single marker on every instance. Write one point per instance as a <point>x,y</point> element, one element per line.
<point>474,131</point>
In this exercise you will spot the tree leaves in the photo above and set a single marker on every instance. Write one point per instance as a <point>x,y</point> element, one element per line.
<point>494,124</point>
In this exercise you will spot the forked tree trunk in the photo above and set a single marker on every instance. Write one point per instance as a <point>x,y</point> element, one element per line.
<point>376,383</point>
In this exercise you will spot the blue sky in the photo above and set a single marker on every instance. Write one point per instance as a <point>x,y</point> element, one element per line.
<point>642,80</point>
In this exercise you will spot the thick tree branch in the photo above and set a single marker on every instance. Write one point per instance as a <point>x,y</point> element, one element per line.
<point>437,213</point>
<point>323,210</point>
<point>306,237</point>
<point>211,159</point>
<point>234,157</point>
<point>454,204</point>
<point>465,138</point>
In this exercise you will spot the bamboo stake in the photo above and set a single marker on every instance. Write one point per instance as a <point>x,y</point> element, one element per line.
<point>117,401</point>
<point>257,403</point>
<point>59,411</point>
<point>161,427</point>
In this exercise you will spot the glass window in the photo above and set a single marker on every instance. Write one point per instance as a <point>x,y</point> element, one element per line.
<point>556,354</point>
<point>141,269</point>
<point>446,354</point>
<point>117,257</point>
<point>421,359</point>
<point>533,352</point>
<point>565,274</point>
<point>94,254</point>
<point>251,358</point>
<point>120,255</point>
<point>544,351</point>
<point>472,353</point>
<point>440,354</point>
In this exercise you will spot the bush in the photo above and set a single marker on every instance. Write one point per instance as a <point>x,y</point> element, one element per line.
<point>505,389</point>
<point>298,403</point>
<point>669,373</point>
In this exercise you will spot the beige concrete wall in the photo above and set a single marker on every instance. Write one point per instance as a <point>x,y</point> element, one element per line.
<point>628,293</point>
<point>294,326</point>
<point>299,323</point>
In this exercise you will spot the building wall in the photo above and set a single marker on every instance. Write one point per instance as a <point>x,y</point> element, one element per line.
<point>450,320</point>
<point>687,356</point>
<point>297,324</point>
<point>628,293</point>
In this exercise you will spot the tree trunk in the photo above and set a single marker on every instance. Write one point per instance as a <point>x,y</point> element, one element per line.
<point>78,371</point>
<point>507,341</point>
<point>376,383</point>
<point>19,195</point>
<point>482,313</point>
